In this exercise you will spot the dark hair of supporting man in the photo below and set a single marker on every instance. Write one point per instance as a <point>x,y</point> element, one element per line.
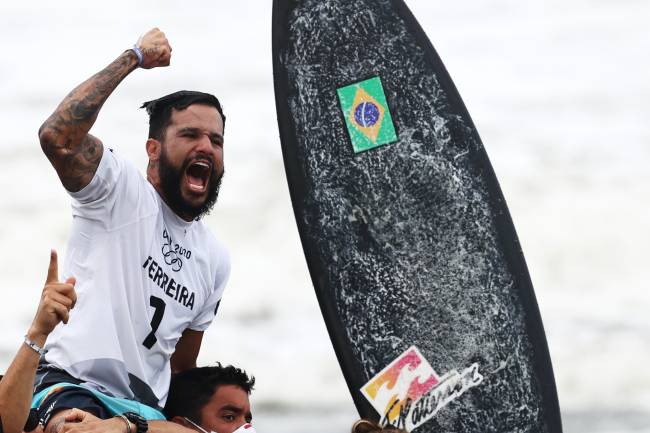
<point>191,389</point>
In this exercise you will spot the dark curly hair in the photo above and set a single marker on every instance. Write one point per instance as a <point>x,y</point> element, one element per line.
<point>191,389</point>
<point>160,110</point>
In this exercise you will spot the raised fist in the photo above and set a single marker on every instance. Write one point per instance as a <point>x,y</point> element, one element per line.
<point>155,49</point>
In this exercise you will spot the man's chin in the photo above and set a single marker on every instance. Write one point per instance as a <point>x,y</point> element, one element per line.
<point>195,205</point>
<point>192,201</point>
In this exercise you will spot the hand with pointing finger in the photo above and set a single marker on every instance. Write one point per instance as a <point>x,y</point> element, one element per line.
<point>56,301</point>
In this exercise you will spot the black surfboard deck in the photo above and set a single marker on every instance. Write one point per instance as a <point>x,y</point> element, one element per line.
<point>412,252</point>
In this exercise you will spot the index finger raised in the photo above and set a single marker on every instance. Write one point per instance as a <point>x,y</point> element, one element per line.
<point>53,269</point>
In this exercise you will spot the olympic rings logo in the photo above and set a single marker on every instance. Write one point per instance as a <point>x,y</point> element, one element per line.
<point>174,253</point>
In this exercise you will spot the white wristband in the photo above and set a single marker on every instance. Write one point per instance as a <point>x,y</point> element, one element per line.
<point>35,347</point>
<point>138,53</point>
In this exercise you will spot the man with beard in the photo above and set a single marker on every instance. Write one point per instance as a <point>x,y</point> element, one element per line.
<point>149,274</point>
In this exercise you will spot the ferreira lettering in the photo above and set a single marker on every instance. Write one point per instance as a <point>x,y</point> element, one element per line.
<point>169,286</point>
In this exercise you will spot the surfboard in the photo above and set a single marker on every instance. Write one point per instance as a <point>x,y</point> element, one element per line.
<point>411,249</point>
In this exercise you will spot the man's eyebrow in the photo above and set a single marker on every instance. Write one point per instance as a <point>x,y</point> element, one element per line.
<point>232,408</point>
<point>216,136</point>
<point>213,135</point>
<point>188,129</point>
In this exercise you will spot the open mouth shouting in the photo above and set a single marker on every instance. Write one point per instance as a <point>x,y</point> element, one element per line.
<point>190,189</point>
<point>197,175</point>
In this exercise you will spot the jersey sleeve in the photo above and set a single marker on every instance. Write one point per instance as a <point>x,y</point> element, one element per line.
<point>204,318</point>
<point>115,186</point>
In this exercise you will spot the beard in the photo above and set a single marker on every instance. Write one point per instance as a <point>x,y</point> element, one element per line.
<point>170,184</point>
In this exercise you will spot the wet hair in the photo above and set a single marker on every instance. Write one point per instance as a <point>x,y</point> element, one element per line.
<point>160,110</point>
<point>366,426</point>
<point>192,389</point>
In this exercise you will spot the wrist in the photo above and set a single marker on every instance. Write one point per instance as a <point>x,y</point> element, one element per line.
<point>37,348</point>
<point>134,60</point>
<point>138,423</point>
<point>128,426</point>
<point>138,53</point>
<point>36,336</point>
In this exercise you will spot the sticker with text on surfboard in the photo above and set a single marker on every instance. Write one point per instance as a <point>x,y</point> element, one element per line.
<point>366,114</point>
<point>408,392</point>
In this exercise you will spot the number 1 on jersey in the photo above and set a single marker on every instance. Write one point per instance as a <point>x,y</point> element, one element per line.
<point>159,306</point>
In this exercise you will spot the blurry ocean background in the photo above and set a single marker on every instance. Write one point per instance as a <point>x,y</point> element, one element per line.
<point>559,91</point>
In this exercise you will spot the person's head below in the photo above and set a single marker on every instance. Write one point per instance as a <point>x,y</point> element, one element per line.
<point>366,426</point>
<point>210,399</point>
<point>185,149</point>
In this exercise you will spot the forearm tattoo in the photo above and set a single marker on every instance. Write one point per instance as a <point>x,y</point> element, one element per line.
<point>64,136</point>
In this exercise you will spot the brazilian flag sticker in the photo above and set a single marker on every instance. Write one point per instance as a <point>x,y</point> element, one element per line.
<point>366,114</point>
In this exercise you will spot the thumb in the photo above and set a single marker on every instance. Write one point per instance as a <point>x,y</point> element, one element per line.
<point>53,270</point>
<point>72,281</point>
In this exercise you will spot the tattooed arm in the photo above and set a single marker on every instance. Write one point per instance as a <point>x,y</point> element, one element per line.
<point>64,137</point>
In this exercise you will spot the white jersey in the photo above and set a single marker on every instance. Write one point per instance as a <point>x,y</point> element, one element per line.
<point>144,275</point>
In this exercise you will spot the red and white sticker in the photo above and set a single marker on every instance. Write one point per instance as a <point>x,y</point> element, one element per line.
<point>408,392</point>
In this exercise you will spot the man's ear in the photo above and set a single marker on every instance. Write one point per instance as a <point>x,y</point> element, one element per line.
<point>153,147</point>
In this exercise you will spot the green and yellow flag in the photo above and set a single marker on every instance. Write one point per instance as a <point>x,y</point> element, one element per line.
<point>366,114</point>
